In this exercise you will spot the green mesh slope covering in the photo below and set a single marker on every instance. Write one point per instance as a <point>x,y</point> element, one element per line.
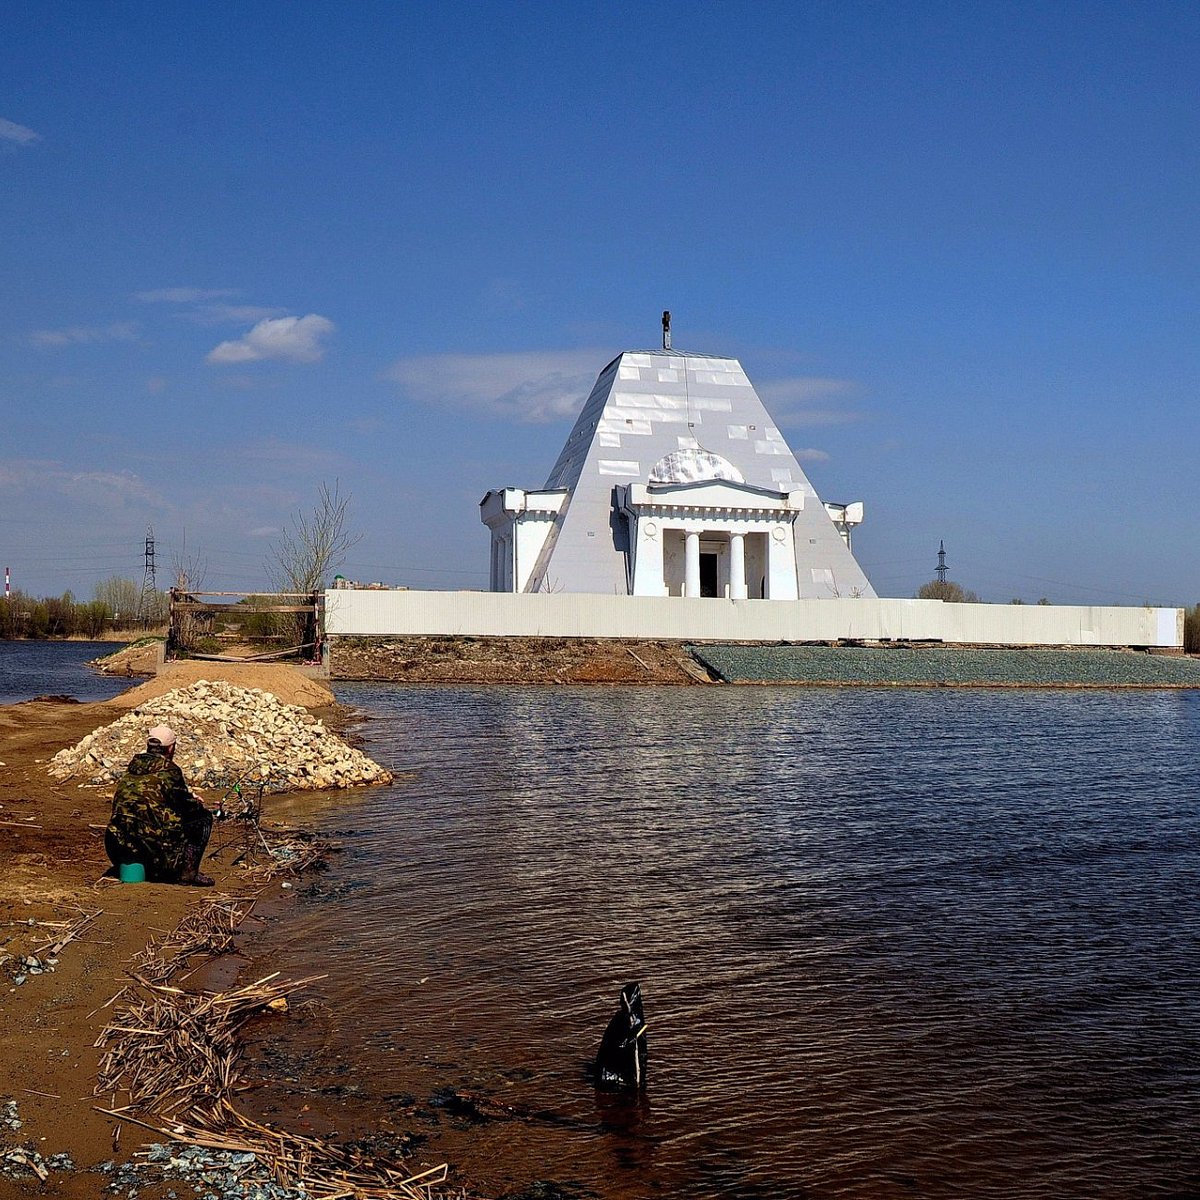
<point>942,666</point>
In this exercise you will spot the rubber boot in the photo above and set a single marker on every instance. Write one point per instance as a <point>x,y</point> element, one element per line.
<point>189,873</point>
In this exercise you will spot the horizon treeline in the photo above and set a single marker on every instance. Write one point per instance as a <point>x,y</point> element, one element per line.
<point>114,605</point>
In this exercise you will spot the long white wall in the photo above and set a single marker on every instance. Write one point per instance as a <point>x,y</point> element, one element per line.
<point>353,613</point>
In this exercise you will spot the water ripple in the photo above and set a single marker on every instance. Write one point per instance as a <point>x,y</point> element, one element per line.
<point>892,943</point>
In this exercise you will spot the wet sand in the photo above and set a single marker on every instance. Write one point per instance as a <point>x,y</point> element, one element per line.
<point>51,845</point>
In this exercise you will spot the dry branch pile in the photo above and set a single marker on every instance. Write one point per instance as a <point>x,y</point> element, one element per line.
<point>226,734</point>
<point>324,1170</point>
<point>206,930</point>
<point>168,1049</point>
<point>172,1055</point>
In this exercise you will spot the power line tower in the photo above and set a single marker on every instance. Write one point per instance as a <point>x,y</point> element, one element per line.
<point>148,600</point>
<point>941,569</point>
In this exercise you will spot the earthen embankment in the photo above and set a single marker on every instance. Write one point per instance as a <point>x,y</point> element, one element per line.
<point>465,660</point>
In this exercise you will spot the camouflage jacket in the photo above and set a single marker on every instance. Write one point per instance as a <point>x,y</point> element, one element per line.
<point>153,814</point>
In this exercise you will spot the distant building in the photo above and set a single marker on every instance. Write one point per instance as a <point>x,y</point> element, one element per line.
<point>674,482</point>
<point>342,584</point>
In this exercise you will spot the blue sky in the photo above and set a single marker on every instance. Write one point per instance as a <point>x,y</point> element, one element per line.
<point>249,248</point>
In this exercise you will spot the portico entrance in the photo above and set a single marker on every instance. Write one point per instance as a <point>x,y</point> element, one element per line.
<point>712,564</point>
<point>727,552</point>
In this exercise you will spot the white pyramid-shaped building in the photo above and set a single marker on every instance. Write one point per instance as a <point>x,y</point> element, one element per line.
<point>674,482</point>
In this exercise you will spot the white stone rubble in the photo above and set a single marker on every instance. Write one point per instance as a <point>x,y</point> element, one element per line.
<point>226,734</point>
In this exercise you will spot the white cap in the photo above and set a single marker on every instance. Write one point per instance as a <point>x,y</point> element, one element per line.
<point>164,735</point>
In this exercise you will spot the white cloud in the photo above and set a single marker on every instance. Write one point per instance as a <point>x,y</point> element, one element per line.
<point>545,385</point>
<point>10,131</point>
<point>207,306</point>
<point>100,489</point>
<point>204,307</point>
<point>262,531</point>
<point>118,486</point>
<point>811,455</point>
<point>17,475</point>
<point>241,314</point>
<point>73,335</point>
<point>292,339</point>
<point>237,506</point>
<point>792,401</point>
<point>183,295</point>
<point>816,416</point>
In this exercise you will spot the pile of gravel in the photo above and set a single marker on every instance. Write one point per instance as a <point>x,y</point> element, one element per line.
<point>226,734</point>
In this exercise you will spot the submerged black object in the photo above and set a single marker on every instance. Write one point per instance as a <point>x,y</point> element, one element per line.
<point>621,1062</point>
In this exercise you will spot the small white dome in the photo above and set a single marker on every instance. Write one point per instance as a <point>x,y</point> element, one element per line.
<point>693,466</point>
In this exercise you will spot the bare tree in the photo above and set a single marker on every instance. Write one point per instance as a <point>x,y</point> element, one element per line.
<point>315,545</point>
<point>119,595</point>
<point>188,571</point>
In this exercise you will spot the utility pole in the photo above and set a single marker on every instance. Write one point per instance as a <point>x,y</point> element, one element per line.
<point>148,600</point>
<point>941,568</point>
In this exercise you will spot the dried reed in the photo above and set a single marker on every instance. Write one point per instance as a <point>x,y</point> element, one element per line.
<point>173,1054</point>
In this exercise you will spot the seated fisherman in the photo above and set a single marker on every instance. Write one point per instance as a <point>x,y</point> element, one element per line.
<point>156,821</point>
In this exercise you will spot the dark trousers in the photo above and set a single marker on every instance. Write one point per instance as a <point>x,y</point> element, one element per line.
<point>197,829</point>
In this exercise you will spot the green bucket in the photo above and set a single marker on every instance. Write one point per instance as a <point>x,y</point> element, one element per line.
<point>132,873</point>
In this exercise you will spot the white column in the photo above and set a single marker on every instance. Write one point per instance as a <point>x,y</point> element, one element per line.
<point>691,570</point>
<point>737,566</point>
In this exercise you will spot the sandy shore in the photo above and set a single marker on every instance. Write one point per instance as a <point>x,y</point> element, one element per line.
<point>51,845</point>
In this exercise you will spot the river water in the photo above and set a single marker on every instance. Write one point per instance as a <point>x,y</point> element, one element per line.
<point>29,669</point>
<point>892,943</point>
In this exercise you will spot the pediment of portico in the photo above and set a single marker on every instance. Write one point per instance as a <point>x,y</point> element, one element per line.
<point>708,496</point>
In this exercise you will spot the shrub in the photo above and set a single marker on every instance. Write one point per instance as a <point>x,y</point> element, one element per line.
<point>256,624</point>
<point>952,593</point>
